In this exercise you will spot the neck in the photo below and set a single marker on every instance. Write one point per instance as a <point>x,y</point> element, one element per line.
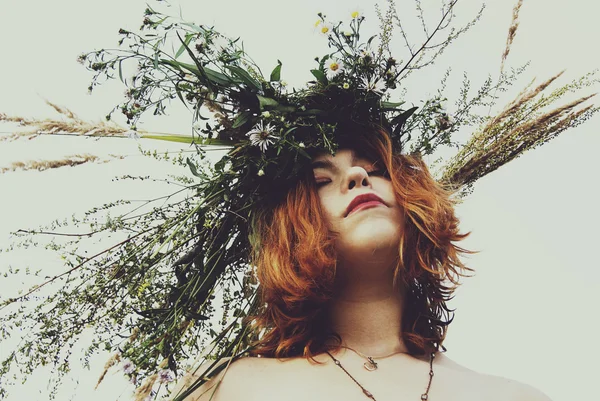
<point>367,314</point>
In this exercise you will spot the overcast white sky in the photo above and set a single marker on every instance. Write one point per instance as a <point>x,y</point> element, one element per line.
<point>530,312</point>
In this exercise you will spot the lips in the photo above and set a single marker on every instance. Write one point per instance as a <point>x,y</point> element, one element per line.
<point>362,199</point>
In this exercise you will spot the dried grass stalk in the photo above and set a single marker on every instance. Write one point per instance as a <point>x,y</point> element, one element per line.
<point>512,32</point>
<point>144,390</point>
<point>522,125</point>
<point>73,160</point>
<point>111,362</point>
<point>73,125</point>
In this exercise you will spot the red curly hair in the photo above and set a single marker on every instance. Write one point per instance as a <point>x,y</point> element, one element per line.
<point>293,250</point>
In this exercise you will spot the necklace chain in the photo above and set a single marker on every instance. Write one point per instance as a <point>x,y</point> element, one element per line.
<point>424,396</point>
<point>371,365</point>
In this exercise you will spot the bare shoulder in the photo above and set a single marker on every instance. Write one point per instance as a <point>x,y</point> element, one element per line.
<point>235,379</point>
<point>501,387</point>
<point>524,392</point>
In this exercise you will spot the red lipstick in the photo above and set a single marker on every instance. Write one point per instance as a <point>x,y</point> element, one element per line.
<point>360,199</point>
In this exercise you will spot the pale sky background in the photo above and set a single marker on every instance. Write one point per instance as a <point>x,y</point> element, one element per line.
<point>529,314</point>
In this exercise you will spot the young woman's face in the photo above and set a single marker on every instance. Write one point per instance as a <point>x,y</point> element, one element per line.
<point>375,224</point>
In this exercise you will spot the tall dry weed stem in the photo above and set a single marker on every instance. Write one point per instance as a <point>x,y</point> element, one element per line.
<point>512,32</point>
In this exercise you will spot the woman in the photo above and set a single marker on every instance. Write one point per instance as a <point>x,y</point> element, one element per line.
<point>355,268</point>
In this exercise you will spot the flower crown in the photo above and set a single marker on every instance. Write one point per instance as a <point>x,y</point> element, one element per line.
<point>270,130</point>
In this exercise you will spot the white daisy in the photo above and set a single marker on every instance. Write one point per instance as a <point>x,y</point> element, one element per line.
<point>261,135</point>
<point>325,28</point>
<point>334,67</point>
<point>372,85</point>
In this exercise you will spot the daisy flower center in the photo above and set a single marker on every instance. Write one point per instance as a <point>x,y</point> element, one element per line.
<point>334,66</point>
<point>324,29</point>
<point>355,14</point>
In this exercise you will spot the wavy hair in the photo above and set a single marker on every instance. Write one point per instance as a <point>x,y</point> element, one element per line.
<point>293,251</point>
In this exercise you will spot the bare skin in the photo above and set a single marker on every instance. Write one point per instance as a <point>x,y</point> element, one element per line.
<point>366,313</point>
<point>400,377</point>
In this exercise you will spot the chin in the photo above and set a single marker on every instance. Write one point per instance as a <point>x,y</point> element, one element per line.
<point>370,239</point>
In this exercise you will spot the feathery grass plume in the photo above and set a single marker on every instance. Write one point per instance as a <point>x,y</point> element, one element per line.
<point>111,362</point>
<point>512,32</point>
<point>73,160</point>
<point>146,388</point>
<point>75,126</point>
<point>520,126</point>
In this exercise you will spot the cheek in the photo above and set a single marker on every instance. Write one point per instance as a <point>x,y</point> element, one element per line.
<point>329,207</point>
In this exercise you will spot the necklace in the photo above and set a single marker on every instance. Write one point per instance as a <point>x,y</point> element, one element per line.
<point>424,396</point>
<point>370,365</point>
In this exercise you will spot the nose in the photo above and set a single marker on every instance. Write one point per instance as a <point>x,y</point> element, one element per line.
<point>357,176</point>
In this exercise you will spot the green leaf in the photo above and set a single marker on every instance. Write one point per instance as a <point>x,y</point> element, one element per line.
<point>188,39</point>
<point>193,26</point>
<point>303,153</point>
<point>121,71</point>
<point>241,119</point>
<point>217,77</point>
<point>390,105</point>
<point>244,76</point>
<point>208,75</point>
<point>320,76</point>
<point>188,139</point>
<point>156,59</point>
<point>192,167</point>
<point>400,119</point>
<point>276,73</point>
<point>323,60</point>
<point>266,102</point>
<point>205,74</point>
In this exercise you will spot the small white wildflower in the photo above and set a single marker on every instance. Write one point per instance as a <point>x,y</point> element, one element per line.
<point>301,144</point>
<point>165,376</point>
<point>356,13</point>
<point>334,67</point>
<point>325,28</point>
<point>260,173</point>
<point>373,85</point>
<point>128,366</point>
<point>284,83</point>
<point>131,134</point>
<point>265,114</point>
<point>262,136</point>
<point>346,85</point>
<point>220,42</point>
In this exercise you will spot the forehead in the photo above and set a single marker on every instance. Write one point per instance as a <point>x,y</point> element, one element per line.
<point>346,153</point>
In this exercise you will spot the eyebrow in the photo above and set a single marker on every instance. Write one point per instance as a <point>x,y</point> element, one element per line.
<point>328,164</point>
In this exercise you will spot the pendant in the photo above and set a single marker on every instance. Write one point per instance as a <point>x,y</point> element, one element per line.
<point>371,365</point>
